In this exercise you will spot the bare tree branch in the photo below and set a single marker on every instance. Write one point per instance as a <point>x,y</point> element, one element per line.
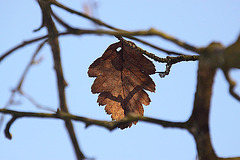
<point>74,31</point>
<point>199,120</point>
<point>110,125</point>
<point>96,32</point>
<point>54,44</point>
<point>101,23</point>
<point>153,31</point>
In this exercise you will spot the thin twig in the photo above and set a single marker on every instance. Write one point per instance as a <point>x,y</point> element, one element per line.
<point>24,43</point>
<point>173,60</point>
<point>19,85</point>
<point>169,60</point>
<point>34,102</point>
<point>232,84</point>
<point>166,72</point>
<point>30,64</point>
<point>95,20</point>
<point>64,24</point>
<point>155,47</point>
<point>174,40</point>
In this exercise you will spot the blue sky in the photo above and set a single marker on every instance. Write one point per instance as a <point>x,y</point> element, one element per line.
<point>197,22</point>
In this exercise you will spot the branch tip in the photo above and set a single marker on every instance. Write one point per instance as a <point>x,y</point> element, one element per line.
<point>6,131</point>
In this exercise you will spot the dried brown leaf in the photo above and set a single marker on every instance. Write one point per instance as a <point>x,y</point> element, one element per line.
<point>122,78</point>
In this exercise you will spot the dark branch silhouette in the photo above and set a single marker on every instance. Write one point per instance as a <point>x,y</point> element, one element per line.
<point>130,98</point>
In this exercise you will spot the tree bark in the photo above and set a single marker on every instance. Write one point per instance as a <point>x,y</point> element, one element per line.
<point>199,120</point>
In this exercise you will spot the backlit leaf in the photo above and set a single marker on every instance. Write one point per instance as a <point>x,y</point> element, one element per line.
<point>122,78</point>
